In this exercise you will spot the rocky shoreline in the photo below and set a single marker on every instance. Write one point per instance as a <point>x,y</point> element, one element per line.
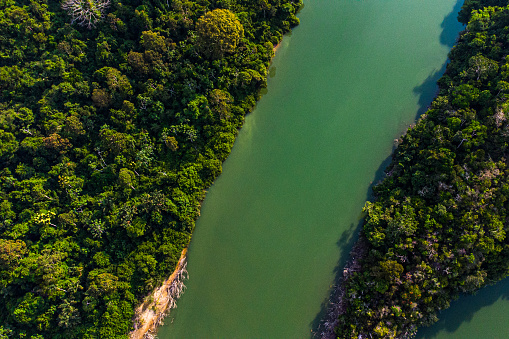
<point>337,300</point>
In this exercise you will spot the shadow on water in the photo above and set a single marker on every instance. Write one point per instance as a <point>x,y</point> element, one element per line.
<point>345,244</point>
<point>426,92</point>
<point>449,36</point>
<point>429,89</point>
<point>463,310</point>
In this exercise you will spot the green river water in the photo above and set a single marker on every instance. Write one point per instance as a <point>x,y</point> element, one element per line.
<point>278,224</point>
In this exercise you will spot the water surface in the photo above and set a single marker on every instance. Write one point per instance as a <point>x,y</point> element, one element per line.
<point>345,84</point>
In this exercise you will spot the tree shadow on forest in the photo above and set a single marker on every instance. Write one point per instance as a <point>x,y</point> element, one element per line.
<point>426,92</point>
<point>463,310</point>
<point>429,89</point>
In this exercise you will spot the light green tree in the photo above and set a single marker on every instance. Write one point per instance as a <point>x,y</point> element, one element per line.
<point>219,32</point>
<point>125,177</point>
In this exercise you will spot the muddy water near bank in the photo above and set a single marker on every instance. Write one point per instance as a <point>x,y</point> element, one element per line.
<point>343,86</point>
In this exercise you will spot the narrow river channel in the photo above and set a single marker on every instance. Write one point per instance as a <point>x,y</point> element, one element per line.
<point>278,223</point>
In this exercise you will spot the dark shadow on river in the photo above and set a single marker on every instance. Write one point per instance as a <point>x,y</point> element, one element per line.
<point>426,92</point>
<point>345,244</point>
<point>429,89</point>
<point>449,37</point>
<point>464,309</point>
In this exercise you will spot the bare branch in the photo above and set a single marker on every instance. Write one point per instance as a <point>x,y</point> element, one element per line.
<point>85,12</point>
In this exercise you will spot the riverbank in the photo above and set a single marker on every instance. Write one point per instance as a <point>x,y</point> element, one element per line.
<point>151,313</point>
<point>156,306</point>
<point>338,299</point>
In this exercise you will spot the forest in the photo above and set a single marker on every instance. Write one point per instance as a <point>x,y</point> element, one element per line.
<point>438,225</point>
<point>115,117</point>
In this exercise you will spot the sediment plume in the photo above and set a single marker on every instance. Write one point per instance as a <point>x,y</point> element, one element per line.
<point>151,313</point>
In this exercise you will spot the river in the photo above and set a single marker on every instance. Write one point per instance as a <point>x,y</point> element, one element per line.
<point>278,224</point>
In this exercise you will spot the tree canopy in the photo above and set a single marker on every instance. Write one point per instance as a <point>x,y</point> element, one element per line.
<point>110,132</point>
<point>219,32</point>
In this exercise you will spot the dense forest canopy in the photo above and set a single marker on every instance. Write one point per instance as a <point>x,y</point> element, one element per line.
<point>439,224</point>
<point>114,119</point>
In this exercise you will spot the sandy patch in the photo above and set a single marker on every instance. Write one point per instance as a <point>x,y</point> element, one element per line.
<point>151,313</point>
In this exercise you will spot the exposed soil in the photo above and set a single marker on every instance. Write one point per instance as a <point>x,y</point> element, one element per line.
<point>151,313</point>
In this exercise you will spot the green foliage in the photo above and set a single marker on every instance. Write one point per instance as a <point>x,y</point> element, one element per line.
<point>438,225</point>
<point>471,5</point>
<point>219,32</point>
<point>109,136</point>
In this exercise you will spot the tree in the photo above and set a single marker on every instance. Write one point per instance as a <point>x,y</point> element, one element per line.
<point>117,82</point>
<point>137,62</point>
<point>169,141</point>
<point>466,10</point>
<point>125,178</point>
<point>56,142</point>
<point>11,252</point>
<point>86,12</point>
<point>153,41</point>
<point>73,127</point>
<point>219,32</point>
<point>101,98</point>
<point>481,67</point>
<point>114,141</point>
<point>8,143</point>
<point>220,102</point>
